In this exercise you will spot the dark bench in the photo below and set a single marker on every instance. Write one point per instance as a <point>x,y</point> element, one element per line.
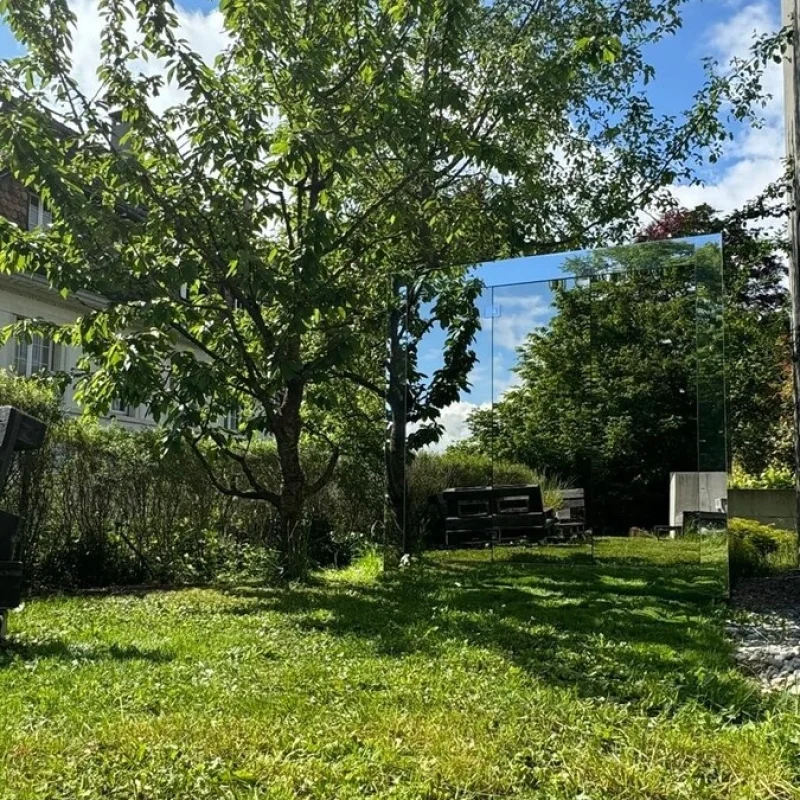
<point>481,514</point>
<point>468,516</point>
<point>571,517</point>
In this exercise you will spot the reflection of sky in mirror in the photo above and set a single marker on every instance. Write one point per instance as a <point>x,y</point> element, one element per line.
<point>517,300</point>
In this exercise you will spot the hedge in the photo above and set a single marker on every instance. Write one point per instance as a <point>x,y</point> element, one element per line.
<point>756,549</point>
<point>102,505</point>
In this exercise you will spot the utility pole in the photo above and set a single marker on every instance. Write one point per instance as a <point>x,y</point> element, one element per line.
<point>791,84</point>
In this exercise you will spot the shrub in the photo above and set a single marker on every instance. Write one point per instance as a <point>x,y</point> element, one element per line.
<point>248,564</point>
<point>100,505</point>
<point>773,477</point>
<point>756,549</point>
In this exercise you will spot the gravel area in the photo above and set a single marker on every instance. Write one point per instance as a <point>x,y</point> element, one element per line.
<point>766,630</point>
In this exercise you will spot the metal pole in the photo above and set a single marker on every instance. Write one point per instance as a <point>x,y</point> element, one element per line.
<point>791,83</point>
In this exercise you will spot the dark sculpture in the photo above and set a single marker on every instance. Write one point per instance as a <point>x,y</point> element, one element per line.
<point>18,432</point>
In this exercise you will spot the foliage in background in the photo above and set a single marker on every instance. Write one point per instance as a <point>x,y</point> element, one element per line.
<point>620,421</point>
<point>757,345</point>
<point>773,477</point>
<point>757,550</point>
<point>607,390</point>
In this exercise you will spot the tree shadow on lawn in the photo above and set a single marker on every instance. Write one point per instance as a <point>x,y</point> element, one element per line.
<point>619,632</point>
<point>18,648</point>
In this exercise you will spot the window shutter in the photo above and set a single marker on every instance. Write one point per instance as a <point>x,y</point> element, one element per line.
<point>33,211</point>
<point>56,357</point>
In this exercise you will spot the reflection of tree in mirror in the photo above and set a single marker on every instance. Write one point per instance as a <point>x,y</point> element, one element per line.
<point>612,260</point>
<point>757,352</point>
<point>607,393</point>
<point>445,299</point>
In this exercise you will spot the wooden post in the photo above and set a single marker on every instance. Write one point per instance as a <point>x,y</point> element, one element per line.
<point>791,85</point>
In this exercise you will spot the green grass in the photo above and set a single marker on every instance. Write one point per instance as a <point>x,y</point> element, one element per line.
<point>545,677</point>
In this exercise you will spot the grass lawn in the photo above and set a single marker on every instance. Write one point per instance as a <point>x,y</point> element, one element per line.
<point>458,678</point>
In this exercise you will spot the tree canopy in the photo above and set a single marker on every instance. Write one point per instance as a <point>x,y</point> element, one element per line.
<point>626,383</point>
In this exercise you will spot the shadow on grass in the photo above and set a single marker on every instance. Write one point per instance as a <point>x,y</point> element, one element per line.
<point>20,649</point>
<point>620,632</point>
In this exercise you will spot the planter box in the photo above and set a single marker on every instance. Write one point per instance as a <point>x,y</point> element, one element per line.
<point>10,584</point>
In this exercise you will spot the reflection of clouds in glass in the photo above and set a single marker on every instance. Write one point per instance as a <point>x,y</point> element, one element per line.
<point>454,420</point>
<point>431,355</point>
<point>454,417</point>
<point>519,315</point>
<point>480,382</point>
<point>492,376</point>
<point>504,379</point>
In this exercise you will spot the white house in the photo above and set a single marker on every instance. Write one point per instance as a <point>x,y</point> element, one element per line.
<point>30,297</point>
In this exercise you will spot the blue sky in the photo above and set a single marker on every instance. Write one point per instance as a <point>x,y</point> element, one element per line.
<point>722,29</point>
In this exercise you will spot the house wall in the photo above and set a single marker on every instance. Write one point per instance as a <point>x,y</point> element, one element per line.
<point>13,201</point>
<point>31,297</point>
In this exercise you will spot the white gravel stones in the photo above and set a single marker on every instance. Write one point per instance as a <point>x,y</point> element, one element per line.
<point>766,631</point>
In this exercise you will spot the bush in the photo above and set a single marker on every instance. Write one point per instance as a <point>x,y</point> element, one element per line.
<point>101,506</point>
<point>773,477</point>
<point>756,549</point>
<point>248,564</point>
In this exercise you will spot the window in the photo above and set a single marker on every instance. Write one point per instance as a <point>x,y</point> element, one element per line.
<point>118,407</point>
<point>39,215</point>
<point>231,420</point>
<point>34,357</point>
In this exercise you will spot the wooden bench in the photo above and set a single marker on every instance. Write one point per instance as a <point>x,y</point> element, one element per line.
<point>571,517</point>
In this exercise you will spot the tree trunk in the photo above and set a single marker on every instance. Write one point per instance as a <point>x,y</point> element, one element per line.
<point>292,530</point>
<point>396,457</point>
<point>791,72</point>
<point>293,539</point>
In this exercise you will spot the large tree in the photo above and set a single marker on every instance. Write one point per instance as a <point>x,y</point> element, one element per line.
<point>334,152</point>
<point>757,349</point>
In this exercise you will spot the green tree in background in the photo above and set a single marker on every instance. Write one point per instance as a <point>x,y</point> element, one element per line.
<point>757,348</point>
<point>607,393</point>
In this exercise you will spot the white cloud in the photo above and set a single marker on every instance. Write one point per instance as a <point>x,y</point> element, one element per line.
<point>454,419</point>
<point>518,316</point>
<point>755,158</point>
<point>204,33</point>
<point>740,183</point>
